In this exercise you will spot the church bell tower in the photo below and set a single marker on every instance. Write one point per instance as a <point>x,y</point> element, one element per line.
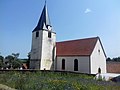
<point>43,49</point>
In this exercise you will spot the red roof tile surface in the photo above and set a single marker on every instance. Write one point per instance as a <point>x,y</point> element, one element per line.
<point>81,47</point>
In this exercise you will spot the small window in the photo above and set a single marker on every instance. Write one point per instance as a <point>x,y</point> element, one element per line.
<point>99,51</point>
<point>49,34</point>
<point>63,64</point>
<point>37,34</point>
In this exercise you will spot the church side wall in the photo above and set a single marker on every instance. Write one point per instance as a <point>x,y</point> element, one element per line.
<point>83,64</point>
<point>98,59</point>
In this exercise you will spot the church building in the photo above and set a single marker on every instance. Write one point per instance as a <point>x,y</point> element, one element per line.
<point>82,55</point>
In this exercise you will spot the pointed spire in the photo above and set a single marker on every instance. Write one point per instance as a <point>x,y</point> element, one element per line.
<point>45,2</point>
<point>44,20</point>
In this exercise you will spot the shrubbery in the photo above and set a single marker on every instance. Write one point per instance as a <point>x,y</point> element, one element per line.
<point>54,81</point>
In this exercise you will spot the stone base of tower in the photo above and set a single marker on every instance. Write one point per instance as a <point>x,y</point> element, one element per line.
<point>46,64</point>
<point>35,64</point>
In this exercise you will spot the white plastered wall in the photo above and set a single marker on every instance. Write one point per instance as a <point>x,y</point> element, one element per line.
<point>42,50</point>
<point>98,59</point>
<point>83,63</point>
<point>35,54</point>
<point>48,51</point>
<point>36,45</point>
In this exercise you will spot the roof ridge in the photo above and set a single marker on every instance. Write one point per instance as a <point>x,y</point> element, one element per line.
<point>80,39</point>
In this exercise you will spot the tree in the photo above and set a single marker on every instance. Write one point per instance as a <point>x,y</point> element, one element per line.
<point>16,55</point>
<point>16,64</point>
<point>108,59</point>
<point>13,61</point>
<point>117,59</point>
<point>9,58</point>
<point>8,61</point>
<point>1,61</point>
<point>1,58</point>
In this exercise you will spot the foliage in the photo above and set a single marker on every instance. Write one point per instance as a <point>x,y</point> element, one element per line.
<point>9,58</point>
<point>117,59</point>
<point>54,81</point>
<point>1,61</point>
<point>4,87</point>
<point>99,78</point>
<point>16,64</point>
<point>13,61</point>
<point>1,58</point>
<point>15,55</point>
<point>1,64</point>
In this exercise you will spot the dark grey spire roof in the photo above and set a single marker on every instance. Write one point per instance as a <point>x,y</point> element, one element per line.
<point>44,20</point>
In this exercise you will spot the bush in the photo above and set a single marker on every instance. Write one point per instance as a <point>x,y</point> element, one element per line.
<point>54,81</point>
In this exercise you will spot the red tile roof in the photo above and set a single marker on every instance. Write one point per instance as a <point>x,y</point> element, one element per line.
<point>81,47</point>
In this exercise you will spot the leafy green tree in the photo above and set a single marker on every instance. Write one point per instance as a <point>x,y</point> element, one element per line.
<point>8,61</point>
<point>9,58</point>
<point>16,64</point>
<point>117,59</point>
<point>1,61</point>
<point>1,64</point>
<point>15,55</point>
<point>13,61</point>
<point>1,58</point>
<point>108,59</point>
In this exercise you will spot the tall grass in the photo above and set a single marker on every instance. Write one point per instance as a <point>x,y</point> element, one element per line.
<point>54,81</point>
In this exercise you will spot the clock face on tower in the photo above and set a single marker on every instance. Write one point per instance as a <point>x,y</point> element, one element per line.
<point>49,28</point>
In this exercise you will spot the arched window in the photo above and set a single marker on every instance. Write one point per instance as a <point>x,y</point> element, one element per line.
<point>99,70</point>
<point>75,65</point>
<point>63,64</point>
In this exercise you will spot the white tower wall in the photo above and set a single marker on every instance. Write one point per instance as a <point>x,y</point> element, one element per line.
<point>48,50</point>
<point>43,50</point>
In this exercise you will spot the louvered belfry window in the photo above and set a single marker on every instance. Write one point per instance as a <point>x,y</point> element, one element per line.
<point>37,34</point>
<point>49,34</point>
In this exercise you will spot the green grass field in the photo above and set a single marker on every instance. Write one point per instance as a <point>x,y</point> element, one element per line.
<point>54,81</point>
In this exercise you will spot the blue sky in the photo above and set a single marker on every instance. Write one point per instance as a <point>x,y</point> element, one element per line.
<point>71,19</point>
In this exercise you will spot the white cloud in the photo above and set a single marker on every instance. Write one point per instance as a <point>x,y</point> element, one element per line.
<point>88,10</point>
